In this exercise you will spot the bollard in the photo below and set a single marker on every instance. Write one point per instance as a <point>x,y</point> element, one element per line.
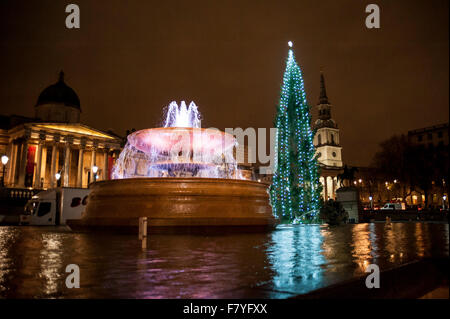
<point>143,231</point>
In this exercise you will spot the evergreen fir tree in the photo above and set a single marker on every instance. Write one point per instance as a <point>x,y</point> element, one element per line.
<point>295,190</point>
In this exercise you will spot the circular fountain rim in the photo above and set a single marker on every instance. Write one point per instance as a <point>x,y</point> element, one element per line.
<point>139,139</point>
<point>179,179</point>
<point>181,128</point>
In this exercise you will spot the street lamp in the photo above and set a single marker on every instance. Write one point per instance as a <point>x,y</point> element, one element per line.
<point>444,198</point>
<point>95,170</point>
<point>371,202</point>
<point>5,160</point>
<point>58,179</point>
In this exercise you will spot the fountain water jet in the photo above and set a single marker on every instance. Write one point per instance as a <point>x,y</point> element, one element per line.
<point>177,175</point>
<point>182,116</point>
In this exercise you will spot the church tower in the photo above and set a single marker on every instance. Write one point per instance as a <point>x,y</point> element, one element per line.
<point>326,140</point>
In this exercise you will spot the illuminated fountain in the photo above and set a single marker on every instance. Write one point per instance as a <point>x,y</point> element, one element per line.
<point>179,149</point>
<point>177,175</point>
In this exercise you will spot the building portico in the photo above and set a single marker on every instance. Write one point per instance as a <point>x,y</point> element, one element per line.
<point>54,143</point>
<point>40,150</point>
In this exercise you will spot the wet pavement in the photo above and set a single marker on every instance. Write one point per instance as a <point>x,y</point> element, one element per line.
<point>287,261</point>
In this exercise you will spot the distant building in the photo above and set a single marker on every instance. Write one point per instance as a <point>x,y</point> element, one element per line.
<point>432,138</point>
<point>372,183</point>
<point>436,135</point>
<point>54,141</point>
<point>327,144</point>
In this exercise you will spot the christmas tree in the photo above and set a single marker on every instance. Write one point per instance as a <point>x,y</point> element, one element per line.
<point>295,190</point>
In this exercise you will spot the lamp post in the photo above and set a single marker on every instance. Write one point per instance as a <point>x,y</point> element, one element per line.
<point>58,179</point>
<point>95,170</point>
<point>371,202</point>
<point>5,160</point>
<point>444,198</point>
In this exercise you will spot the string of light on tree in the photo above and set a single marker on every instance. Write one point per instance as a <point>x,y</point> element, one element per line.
<point>295,189</point>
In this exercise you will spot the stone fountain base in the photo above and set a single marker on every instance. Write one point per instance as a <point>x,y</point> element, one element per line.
<point>176,202</point>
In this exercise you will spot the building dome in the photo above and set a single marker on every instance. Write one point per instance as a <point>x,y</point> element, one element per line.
<point>58,103</point>
<point>59,93</point>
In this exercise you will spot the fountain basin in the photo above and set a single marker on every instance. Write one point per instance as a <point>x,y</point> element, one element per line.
<point>178,152</point>
<point>173,202</point>
<point>188,139</point>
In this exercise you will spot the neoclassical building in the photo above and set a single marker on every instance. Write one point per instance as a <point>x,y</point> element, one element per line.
<point>54,141</point>
<point>326,142</point>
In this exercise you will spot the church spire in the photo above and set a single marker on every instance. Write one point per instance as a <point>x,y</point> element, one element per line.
<point>324,105</point>
<point>323,99</point>
<point>61,76</point>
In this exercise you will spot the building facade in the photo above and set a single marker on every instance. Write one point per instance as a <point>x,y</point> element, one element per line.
<point>327,144</point>
<point>54,148</point>
<point>376,189</point>
<point>433,139</point>
<point>436,135</point>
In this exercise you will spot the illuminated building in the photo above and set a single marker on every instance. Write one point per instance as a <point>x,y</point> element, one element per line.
<point>55,141</point>
<point>327,144</point>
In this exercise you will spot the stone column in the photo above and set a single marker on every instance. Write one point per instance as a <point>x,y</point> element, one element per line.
<point>80,163</point>
<point>11,163</point>
<point>333,188</point>
<point>325,187</point>
<point>53,167</point>
<point>23,158</point>
<point>330,187</point>
<point>93,159</point>
<point>37,175</point>
<point>44,165</point>
<point>105,165</point>
<point>17,163</point>
<point>37,168</point>
<point>68,139</point>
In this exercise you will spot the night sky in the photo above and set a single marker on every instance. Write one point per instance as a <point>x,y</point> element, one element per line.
<point>131,58</point>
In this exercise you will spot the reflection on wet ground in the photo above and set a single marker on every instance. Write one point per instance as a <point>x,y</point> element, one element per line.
<point>288,260</point>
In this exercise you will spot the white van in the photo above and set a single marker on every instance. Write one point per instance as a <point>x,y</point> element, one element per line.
<point>55,206</point>
<point>393,206</point>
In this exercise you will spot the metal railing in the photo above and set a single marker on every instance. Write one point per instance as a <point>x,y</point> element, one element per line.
<point>18,193</point>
